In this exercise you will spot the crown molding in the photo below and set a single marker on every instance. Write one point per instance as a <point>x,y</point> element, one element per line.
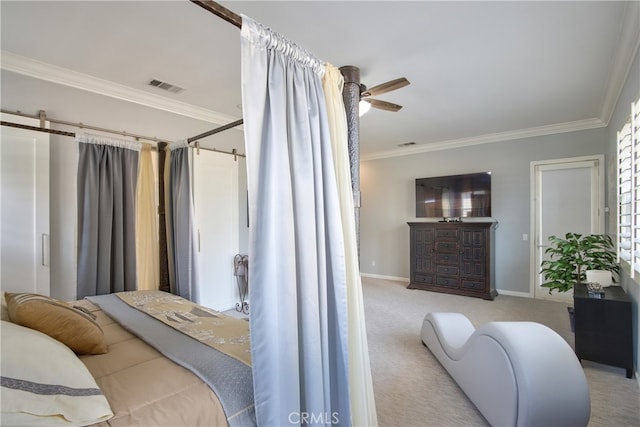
<point>489,138</point>
<point>41,70</point>
<point>628,46</point>
<point>52,73</point>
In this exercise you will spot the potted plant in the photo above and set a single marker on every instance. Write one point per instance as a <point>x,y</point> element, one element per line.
<point>572,257</point>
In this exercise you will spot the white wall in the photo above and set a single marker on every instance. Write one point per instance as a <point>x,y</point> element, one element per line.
<point>388,199</point>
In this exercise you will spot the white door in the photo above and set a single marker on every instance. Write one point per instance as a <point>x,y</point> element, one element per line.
<point>568,197</point>
<point>216,211</point>
<point>24,208</point>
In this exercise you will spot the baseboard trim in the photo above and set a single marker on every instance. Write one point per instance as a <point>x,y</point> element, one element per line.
<point>514,293</point>
<point>406,280</point>
<point>380,276</point>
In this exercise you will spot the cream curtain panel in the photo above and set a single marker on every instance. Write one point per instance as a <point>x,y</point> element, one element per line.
<point>363,408</point>
<point>147,252</point>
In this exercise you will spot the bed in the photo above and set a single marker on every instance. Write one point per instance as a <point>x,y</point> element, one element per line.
<point>140,358</point>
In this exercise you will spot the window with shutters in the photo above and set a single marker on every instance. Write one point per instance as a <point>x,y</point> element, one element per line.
<point>629,192</point>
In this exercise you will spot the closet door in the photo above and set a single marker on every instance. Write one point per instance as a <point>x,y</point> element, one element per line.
<point>24,208</point>
<point>216,214</point>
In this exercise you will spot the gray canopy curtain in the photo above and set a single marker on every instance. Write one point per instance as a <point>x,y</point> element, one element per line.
<point>181,242</point>
<point>298,316</point>
<point>107,179</point>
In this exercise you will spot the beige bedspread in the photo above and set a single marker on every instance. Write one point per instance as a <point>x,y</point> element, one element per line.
<point>146,389</point>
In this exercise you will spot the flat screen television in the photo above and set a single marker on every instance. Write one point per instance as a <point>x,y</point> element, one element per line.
<point>454,196</point>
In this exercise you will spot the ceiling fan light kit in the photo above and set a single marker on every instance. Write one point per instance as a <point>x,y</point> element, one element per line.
<point>363,107</point>
<point>351,74</point>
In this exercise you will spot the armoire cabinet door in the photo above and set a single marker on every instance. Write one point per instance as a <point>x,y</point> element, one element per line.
<point>24,208</point>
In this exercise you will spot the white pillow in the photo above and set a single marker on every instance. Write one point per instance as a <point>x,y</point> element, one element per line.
<point>44,383</point>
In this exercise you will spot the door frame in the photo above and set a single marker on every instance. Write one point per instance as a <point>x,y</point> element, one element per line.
<point>598,208</point>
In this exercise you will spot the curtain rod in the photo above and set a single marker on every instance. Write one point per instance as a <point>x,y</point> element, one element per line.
<point>220,11</point>
<point>39,129</point>
<point>42,117</point>
<point>233,152</point>
<point>216,130</point>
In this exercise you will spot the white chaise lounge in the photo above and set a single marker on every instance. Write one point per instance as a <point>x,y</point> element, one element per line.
<point>515,373</point>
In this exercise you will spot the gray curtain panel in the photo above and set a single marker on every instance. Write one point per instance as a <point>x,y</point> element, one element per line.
<point>180,224</point>
<point>107,179</point>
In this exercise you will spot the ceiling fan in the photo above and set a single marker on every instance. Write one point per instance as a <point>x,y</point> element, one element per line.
<point>366,94</point>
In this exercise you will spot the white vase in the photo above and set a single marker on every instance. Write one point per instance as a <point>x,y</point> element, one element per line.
<point>603,277</point>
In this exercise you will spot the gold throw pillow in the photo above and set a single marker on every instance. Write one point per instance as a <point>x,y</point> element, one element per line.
<point>72,327</point>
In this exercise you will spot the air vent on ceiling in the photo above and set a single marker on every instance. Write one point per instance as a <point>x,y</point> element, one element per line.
<point>165,86</point>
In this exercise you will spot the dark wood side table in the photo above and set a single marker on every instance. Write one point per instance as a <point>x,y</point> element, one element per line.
<point>603,327</point>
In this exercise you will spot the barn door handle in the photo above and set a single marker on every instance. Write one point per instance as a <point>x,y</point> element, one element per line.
<point>44,243</point>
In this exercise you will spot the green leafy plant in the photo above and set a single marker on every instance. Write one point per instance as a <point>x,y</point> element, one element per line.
<point>572,256</point>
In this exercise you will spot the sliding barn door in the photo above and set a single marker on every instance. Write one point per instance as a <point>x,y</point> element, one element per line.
<point>24,208</point>
<point>216,202</point>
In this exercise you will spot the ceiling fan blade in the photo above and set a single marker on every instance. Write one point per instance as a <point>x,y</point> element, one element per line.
<point>385,87</point>
<point>383,105</point>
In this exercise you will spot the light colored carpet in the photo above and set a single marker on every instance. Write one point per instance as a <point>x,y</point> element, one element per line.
<point>411,387</point>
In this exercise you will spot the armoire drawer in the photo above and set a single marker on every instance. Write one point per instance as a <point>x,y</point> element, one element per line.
<point>449,247</point>
<point>424,279</point>
<point>447,233</point>
<point>450,270</point>
<point>471,285</point>
<point>447,258</point>
<point>447,282</point>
